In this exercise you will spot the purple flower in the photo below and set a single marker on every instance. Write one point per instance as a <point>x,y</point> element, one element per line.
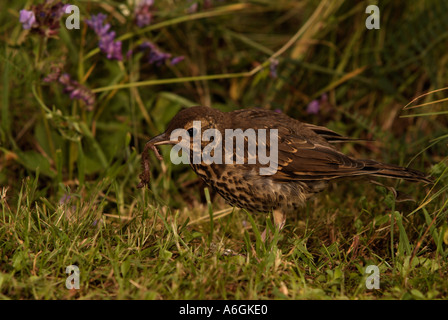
<point>64,8</point>
<point>177,59</point>
<point>96,23</point>
<point>313,107</point>
<point>107,42</point>
<point>27,19</point>
<point>206,4</point>
<point>65,199</point>
<point>157,56</point>
<point>193,8</point>
<point>43,18</point>
<point>273,68</point>
<point>55,72</point>
<point>110,47</point>
<point>77,90</point>
<point>143,15</point>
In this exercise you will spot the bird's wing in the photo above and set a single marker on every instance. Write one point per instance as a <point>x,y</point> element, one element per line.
<point>304,150</point>
<point>301,158</point>
<point>258,118</point>
<point>330,135</point>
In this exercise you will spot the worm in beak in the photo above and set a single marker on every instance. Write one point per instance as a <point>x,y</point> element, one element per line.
<point>152,144</point>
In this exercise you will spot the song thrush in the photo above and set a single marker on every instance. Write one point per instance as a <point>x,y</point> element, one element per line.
<point>306,162</point>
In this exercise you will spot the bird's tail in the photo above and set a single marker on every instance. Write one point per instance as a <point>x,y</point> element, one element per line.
<point>391,171</point>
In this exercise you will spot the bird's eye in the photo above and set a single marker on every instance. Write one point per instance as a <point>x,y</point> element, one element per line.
<point>192,131</point>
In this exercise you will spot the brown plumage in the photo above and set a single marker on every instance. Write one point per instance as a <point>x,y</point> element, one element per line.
<point>307,161</point>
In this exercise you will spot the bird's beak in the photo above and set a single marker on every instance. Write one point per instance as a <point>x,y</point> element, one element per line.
<point>161,139</point>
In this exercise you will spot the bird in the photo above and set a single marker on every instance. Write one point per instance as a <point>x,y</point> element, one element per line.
<point>307,160</point>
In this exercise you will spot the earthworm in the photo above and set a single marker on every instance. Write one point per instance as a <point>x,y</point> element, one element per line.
<point>145,176</point>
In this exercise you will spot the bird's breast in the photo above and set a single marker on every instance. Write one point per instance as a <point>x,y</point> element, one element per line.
<point>242,186</point>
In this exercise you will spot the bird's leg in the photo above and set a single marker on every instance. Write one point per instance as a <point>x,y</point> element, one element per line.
<point>279,222</point>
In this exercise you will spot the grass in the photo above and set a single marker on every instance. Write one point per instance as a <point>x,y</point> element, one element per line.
<point>68,174</point>
<point>151,252</point>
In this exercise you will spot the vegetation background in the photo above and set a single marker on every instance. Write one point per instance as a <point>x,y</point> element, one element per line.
<point>74,121</point>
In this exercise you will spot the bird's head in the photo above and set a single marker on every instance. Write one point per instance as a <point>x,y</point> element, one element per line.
<point>191,120</point>
<point>188,121</point>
